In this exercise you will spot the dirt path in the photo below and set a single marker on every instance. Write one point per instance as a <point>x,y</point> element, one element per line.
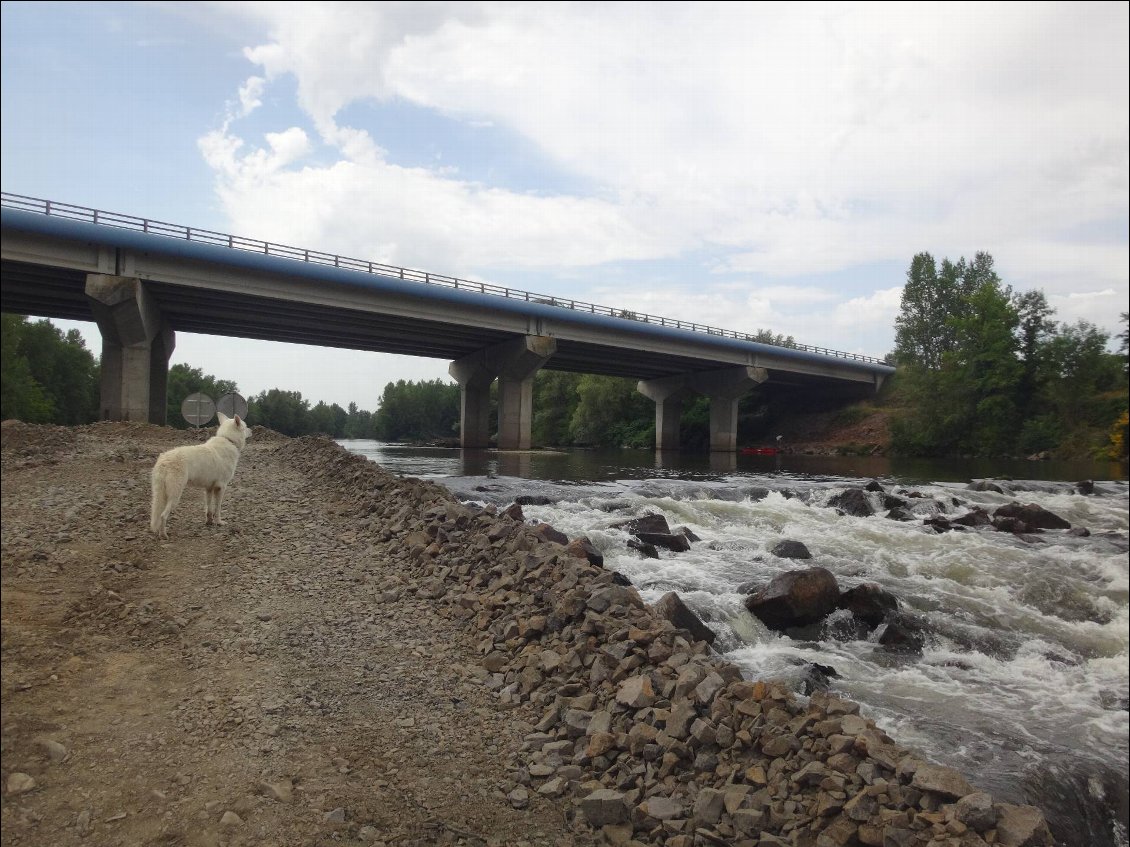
<point>275,681</point>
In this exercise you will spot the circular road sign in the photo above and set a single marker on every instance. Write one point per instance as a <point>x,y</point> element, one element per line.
<point>197,409</point>
<point>232,404</point>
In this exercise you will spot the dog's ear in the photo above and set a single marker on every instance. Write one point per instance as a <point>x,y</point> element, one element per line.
<point>238,422</point>
<point>221,417</point>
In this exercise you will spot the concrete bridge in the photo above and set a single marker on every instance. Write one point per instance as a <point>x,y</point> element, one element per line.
<point>142,281</point>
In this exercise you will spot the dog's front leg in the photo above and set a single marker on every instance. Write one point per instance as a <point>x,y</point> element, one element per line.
<point>212,505</point>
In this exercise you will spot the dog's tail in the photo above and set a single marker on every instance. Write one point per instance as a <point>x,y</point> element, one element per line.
<point>160,483</point>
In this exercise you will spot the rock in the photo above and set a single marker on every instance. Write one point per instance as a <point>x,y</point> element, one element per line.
<point>854,502</point>
<point>816,677</point>
<point>230,819</point>
<point>648,523</point>
<point>671,607</point>
<point>647,550</point>
<point>519,798</point>
<point>662,808</point>
<point>941,780</point>
<point>281,792</point>
<point>874,485</point>
<point>335,816</point>
<point>978,517</point>
<point>1085,487</point>
<point>677,543</point>
<point>604,807</point>
<point>976,811</point>
<point>869,602</point>
<point>55,751</point>
<point>790,550</point>
<point>20,783</point>
<point>709,804</point>
<point>985,485</point>
<point>903,634</point>
<point>1032,515</point>
<point>796,598</point>
<point>636,692</point>
<point>532,500</point>
<point>900,514</point>
<point>1021,826</point>
<point>514,512</point>
<point>547,533</point>
<point>1013,525</point>
<point>583,548</point>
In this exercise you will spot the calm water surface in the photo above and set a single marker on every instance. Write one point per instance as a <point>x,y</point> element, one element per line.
<point>1023,682</point>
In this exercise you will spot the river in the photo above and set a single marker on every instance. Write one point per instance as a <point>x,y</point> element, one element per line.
<point>1023,680</point>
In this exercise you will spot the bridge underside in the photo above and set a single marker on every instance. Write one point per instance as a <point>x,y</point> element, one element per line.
<point>141,289</point>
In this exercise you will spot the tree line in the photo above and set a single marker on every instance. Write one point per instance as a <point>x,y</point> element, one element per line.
<point>982,371</point>
<point>986,371</point>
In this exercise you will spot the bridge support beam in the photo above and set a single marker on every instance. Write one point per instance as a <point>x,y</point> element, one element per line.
<point>668,393</point>
<point>723,387</point>
<point>514,363</point>
<point>136,346</point>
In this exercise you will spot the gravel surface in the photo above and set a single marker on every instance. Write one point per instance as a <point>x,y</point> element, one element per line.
<point>275,680</point>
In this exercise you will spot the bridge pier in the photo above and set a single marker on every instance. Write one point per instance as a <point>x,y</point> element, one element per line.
<point>668,394</point>
<point>514,363</point>
<point>723,387</point>
<point>136,345</point>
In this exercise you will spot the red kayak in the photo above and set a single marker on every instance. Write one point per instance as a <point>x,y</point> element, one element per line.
<point>760,451</point>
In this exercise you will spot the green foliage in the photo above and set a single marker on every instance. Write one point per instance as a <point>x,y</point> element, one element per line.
<point>986,372</point>
<point>610,412</point>
<point>283,411</point>
<point>415,411</point>
<point>185,380</point>
<point>46,376</point>
<point>555,401</point>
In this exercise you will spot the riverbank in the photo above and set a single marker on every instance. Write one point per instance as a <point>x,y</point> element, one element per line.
<point>359,658</point>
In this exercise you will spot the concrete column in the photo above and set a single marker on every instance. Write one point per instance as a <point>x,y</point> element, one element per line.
<point>514,362</point>
<point>668,393</point>
<point>724,388</point>
<point>136,346</point>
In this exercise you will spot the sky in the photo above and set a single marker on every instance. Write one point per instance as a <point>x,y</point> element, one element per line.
<point>744,165</point>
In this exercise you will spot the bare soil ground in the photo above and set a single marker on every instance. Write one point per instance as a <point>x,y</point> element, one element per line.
<point>272,681</point>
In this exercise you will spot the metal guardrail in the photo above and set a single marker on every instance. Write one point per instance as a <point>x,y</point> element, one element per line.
<point>237,242</point>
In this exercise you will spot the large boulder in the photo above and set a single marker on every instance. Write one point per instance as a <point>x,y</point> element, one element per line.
<point>869,603</point>
<point>853,502</point>
<point>789,549</point>
<point>672,607</point>
<point>796,598</point>
<point>676,542</point>
<point>903,634</point>
<point>648,523</point>
<point>1032,515</point>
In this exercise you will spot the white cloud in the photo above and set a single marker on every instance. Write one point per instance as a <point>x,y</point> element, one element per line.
<point>786,140</point>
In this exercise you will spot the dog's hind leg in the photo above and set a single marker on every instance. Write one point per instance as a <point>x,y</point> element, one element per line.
<point>215,497</point>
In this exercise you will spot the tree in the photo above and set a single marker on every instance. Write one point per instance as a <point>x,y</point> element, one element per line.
<point>610,412</point>
<point>48,376</point>
<point>414,411</point>
<point>282,411</point>
<point>555,400</point>
<point>21,397</point>
<point>185,380</point>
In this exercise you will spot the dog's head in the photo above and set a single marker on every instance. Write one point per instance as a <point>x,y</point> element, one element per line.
<point>234,429</point>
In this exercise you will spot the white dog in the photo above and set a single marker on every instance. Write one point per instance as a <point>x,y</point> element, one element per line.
<point>210,466</point>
